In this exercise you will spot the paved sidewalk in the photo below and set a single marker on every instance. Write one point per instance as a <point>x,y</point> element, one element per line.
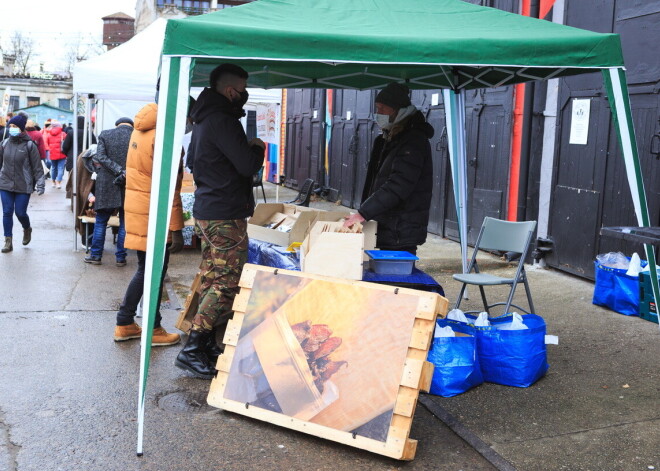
<point>69,393</point>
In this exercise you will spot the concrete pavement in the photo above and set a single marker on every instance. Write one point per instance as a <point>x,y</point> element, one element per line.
<point>68,393</point>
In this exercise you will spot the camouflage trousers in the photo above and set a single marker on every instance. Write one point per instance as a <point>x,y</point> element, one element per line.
<point>224,252</point>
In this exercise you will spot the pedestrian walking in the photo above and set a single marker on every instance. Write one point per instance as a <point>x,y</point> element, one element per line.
<point>139,166</point>
<point>223,163</point>
<point>110,163</point>
<point>20,173</point>
<point>67,145</point>
<point>37,137</point>
<point>57,157</point>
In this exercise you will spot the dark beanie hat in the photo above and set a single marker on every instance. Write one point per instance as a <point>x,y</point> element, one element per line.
<point>124,120</point>
<point>395,95</point>
<point>20,121</point>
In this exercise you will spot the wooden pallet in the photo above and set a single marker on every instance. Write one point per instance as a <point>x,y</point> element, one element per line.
<point>184,321</point>
<point>415,376</point>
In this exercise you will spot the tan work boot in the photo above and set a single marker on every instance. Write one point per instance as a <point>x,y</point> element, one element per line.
<point>161,338</point>
<point>127,332</point>
<point>8,245</point>
<point>27,235</point>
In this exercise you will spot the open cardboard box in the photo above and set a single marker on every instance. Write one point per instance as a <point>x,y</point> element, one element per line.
<point>299,218</point>
<point>327,251</point>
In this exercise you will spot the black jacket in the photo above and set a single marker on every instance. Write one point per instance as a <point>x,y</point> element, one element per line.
<point>221,160</point>
<point>399,184</point>
<point>67,145</point>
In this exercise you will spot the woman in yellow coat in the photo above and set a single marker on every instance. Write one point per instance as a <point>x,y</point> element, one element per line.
<point>139,165</point>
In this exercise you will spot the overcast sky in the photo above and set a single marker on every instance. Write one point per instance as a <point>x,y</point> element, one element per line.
<point>55,25</point>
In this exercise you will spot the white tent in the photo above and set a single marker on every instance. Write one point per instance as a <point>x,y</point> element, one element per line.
<point>124,79</point>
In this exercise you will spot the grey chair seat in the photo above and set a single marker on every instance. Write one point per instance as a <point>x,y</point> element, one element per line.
<point>483,279</point>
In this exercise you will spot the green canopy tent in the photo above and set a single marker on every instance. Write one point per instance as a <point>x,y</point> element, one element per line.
<point>365,44</point>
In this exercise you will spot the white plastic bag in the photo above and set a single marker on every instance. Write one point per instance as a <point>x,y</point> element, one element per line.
<point>443,332</point>
<point>457,315</point>
<point>482,320</point>
<point>613,260</point>
<point>515,324</point>
<point>635,265</point>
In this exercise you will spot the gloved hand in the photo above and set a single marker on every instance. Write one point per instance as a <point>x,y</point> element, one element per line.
<point>120,180</point>
<point>255,141</point>
<point>177,241</point>
<point>40,191</point>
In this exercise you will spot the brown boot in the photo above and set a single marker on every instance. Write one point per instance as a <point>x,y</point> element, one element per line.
<point>8,245</point>
<point>127,332</point>
<point>27,235</point>
<point>161,338</point>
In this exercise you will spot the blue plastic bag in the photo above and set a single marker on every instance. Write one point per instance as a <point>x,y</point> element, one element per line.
<point>512,357</point>
<point>616,290</point>
<point>456,362</point>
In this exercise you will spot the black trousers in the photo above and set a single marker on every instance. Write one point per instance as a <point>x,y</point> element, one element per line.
<point>135,290</point>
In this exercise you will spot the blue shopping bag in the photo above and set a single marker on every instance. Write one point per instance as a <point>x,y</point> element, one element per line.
<point>616,290</point>
<point>455,359</point>
<point>512,357</point>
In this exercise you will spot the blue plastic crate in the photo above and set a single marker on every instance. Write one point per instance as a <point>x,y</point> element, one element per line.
<point>391,262</point>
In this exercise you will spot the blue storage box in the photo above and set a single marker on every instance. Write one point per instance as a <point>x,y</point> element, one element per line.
<point>391,262</point>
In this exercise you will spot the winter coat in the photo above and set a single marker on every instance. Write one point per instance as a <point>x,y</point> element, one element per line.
<point>54,143</point>
<point>139,165</point>
<point>399,184</point>
<point>20,165</point>
<point>221,159</point>
<point>111,156</point>
<point>67,145</point>
<point>85,186</point>
<point>38,139</point>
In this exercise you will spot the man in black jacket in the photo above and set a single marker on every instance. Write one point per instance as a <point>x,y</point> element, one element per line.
<point>397,191</point>
<point>223,163</point>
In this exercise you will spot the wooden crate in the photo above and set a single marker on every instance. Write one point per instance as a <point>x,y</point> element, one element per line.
<point>415,376</point>
<point>184,321</point>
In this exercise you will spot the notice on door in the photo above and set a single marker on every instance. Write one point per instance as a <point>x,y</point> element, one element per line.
<point>580,121</point>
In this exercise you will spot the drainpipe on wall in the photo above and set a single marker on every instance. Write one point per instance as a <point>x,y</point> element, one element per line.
<point>548,153</point>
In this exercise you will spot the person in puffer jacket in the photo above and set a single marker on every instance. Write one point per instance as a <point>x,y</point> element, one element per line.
<point>20,172</point>
<point>397,191</point>
<point>57,157</point>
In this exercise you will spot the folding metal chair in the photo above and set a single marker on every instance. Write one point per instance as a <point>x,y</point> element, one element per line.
<point>504,236</point>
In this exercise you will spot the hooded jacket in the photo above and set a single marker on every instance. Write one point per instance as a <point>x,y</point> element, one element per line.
<point>221,160</point>
<point>20,165</point>
<point>139,166</point>
<point>54,143</point>
<point>399,184</point>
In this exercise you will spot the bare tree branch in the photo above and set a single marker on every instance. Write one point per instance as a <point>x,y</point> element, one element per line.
<point>22,47</point>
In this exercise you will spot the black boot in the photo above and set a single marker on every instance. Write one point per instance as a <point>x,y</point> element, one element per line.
<point>213,351</point>
<point>192,357</point>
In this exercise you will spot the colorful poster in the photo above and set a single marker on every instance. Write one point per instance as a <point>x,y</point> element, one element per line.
<point>268,123</point>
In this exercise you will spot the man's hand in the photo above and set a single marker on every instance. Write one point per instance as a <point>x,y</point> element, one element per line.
<point>91,198</point>
<point>40,191</point>
<point>177,242</point>
<point>255,141</point>
<point>353,219</point>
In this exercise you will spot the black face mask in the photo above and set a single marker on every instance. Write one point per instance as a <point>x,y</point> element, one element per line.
<point>242,99</point>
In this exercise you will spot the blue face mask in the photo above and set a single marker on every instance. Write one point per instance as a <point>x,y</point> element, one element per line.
<point>14,131</point>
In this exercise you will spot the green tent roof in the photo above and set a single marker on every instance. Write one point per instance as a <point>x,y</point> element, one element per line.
<point>368,43</point>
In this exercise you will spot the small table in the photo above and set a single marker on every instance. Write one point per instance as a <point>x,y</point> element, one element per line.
<point>640,235</point>
<point>87,220</point>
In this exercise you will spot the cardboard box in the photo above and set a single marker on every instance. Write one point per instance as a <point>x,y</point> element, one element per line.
<point>327,251</point>
<point>299,218</point>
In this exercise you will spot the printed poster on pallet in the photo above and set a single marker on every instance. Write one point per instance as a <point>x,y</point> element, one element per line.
<point>323,352</point>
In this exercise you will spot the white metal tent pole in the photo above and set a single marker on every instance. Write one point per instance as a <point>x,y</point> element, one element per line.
<point>170,128</point>
<point>455,122</point>
<point>617,92</point>
<point>74,171</point>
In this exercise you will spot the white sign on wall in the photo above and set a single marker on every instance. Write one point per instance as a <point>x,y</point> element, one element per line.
<point>580,121</point>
